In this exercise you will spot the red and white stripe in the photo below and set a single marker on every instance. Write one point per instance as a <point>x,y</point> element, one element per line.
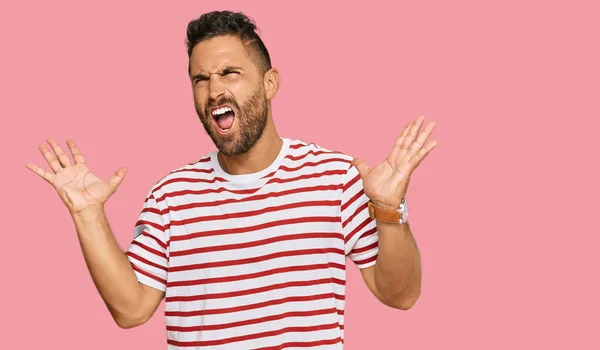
<point>255,261</point>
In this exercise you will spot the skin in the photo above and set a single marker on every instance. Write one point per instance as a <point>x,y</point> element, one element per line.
<point>395,279</point>
<point>222,71</point>
<point>129,302</point>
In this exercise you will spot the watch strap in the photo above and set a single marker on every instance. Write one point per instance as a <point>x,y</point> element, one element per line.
<point>391,216</point>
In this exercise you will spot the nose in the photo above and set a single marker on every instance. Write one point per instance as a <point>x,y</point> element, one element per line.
<point>215,87</point>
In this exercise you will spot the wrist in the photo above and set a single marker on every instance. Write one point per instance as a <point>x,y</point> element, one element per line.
<point>389,213</point>
<point>384,206</point>
<point>91,213</point>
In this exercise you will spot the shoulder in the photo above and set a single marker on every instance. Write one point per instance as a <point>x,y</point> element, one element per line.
<point>194,171</point>
<point>312,151</point>
<point>323,160</point>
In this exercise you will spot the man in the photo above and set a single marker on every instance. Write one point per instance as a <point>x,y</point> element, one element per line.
<point>248,244</point>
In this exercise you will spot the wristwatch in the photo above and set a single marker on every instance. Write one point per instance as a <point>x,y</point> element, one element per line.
<point>399,216</point>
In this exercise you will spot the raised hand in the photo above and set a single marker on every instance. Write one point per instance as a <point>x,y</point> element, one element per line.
<point>77,186</point>
<point>386,184</point>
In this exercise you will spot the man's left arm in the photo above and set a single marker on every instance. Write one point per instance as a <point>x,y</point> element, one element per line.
<point>395,279</point>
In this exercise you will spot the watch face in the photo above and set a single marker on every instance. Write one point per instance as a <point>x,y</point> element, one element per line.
<point>405,210</point>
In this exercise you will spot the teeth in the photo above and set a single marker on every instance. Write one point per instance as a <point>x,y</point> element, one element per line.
<point>221,110</point>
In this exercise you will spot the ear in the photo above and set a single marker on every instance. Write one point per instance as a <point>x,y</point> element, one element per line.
<point>272,82</point>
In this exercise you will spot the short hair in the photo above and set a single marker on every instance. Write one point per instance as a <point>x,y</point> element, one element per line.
<point>219,23</point>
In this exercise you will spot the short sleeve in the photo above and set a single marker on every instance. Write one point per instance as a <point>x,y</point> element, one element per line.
<point>148,251</point>
<point>359,230</point>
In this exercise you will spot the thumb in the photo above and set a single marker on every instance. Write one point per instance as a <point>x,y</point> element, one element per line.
<point>361,165</point>
<point>116,179</point>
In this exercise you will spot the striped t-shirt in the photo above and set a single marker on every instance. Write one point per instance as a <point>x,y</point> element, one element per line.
<point>255,261</point>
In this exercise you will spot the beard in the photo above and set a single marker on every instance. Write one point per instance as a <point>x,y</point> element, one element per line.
<point>250,121</point>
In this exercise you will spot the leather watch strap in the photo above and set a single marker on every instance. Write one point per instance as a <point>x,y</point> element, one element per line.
<point>392,216</point>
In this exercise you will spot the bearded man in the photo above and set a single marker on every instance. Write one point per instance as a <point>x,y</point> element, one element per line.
<point>248,244</point>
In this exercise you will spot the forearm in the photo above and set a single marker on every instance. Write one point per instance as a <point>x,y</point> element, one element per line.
<point>109,267</point>
<point>398,267</point>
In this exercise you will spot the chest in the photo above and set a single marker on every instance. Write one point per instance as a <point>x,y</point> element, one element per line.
<point>221,233</point>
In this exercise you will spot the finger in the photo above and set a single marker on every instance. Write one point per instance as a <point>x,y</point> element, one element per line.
<point>77,155</point>
<point>420,141</point>
<point>116,179</point>
<point>50,158</point>
<point>361,166</point>
<point>412,133</point>
<point>423,152</point>
<point>62,157</point>
<point>403,134</point>
<point>46,175</point>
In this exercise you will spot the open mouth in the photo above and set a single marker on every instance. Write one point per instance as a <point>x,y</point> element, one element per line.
<point>223,117</point>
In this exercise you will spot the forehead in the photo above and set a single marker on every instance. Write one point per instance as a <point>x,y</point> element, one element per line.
<point>212,54</point>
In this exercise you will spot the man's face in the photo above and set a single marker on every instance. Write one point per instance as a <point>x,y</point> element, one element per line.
<point>229,93</point>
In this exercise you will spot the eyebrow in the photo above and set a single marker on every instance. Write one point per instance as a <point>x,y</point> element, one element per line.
<point>224,70</point>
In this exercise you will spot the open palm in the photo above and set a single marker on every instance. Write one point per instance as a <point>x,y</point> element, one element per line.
<point>387,183</point>
<point>77,186</point>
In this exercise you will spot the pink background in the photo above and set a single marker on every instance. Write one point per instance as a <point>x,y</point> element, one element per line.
<point>503,210</point>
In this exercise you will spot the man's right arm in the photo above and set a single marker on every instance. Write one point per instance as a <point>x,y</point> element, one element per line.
<point>130,302</point>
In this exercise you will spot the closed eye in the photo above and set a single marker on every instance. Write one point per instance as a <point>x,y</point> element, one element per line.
<point>227,71</point>
<point>199,78</point>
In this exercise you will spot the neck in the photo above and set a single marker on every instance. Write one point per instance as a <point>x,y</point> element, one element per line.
<point>258,158</point>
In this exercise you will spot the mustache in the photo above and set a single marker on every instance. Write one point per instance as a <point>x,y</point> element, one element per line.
<point>225,100</point>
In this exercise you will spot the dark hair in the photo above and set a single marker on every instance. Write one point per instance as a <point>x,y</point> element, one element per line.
<point>218,23</point>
